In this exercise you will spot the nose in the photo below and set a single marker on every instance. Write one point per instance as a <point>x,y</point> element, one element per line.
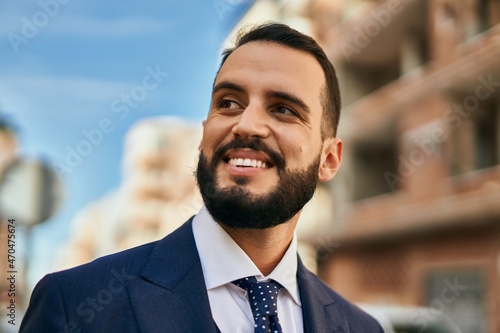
<point>252,122</point>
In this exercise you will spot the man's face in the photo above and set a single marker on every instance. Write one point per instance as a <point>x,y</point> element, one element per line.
<point>262,147</point>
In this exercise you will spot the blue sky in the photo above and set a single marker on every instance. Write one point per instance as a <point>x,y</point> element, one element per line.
<point>70,66</point>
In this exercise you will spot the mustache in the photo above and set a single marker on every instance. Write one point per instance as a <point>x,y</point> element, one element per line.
<point>255,144</point>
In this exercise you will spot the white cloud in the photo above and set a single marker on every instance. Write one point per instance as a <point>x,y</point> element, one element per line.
<point>13,16</point>
<point>36,94</point>
<point>112,27</point>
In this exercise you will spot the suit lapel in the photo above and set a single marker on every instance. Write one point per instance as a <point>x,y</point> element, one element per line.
<point>171,293</point>
<point>314,302</point>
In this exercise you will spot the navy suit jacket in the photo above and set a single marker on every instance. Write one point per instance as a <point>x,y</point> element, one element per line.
<point>159,287</point>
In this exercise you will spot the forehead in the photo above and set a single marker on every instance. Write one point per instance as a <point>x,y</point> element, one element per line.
<point>270,66</point>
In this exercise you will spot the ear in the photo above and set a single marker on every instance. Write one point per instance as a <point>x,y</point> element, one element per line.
<point>331,157</point>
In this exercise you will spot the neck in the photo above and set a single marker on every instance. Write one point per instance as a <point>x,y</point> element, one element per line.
<point>265,247</point>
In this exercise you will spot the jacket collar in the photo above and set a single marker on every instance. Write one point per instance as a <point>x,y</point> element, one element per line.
<point>170,295</point>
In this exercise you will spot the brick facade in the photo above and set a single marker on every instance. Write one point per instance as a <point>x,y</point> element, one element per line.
<point>417,202</point>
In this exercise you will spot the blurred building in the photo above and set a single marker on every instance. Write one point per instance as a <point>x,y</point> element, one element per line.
<point>417,201</point>
<point>158,193</point>
<point>8,144</point>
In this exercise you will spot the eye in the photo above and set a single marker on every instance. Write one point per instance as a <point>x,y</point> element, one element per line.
<point>285,110</point>
<point>227,104</point>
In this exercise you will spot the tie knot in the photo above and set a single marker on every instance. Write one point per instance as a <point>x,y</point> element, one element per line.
<point>262,296</point>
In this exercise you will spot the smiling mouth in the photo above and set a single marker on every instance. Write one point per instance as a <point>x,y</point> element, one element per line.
<point>246,163</point>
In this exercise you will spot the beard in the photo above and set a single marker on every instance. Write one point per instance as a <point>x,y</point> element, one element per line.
<point>237,207</point>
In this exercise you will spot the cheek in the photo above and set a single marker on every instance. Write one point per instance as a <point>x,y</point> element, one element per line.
<point>214,132</point>
<point>300,149</point>
<point>294,146</point>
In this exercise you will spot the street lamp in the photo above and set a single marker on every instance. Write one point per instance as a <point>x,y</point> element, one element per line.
<point>30,193</point>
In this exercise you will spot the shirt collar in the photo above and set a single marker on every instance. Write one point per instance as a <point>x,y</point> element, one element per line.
<point>223,261</point>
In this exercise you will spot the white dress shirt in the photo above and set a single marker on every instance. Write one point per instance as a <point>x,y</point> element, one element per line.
<point>224,261</point>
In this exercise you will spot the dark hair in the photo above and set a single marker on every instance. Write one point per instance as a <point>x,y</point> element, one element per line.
<point>284,35</point>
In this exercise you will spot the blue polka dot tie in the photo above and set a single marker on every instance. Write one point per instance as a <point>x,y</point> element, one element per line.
<point>263,297</point>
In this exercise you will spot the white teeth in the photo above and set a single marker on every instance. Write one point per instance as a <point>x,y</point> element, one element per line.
<point>247,162</point>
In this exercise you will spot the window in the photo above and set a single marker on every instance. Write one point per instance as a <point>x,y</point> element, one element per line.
<point>359,80</point>
<point>371,163</point>
<point>476,142</point>
<point>460,294</point>
<point>486,134</point>
<point>482,15</point>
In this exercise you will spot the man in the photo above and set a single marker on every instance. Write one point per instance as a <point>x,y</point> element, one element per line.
<point>268,139</point>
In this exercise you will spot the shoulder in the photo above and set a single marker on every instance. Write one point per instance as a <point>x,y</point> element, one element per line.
<point>90,296</point>
<point>115,268</point>
<point>128,263</point>
<point>68,299</point>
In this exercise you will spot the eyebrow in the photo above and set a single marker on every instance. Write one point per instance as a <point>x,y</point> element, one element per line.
<point>227,85</point>
<point>270,94</point>
<point>288,97</point>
